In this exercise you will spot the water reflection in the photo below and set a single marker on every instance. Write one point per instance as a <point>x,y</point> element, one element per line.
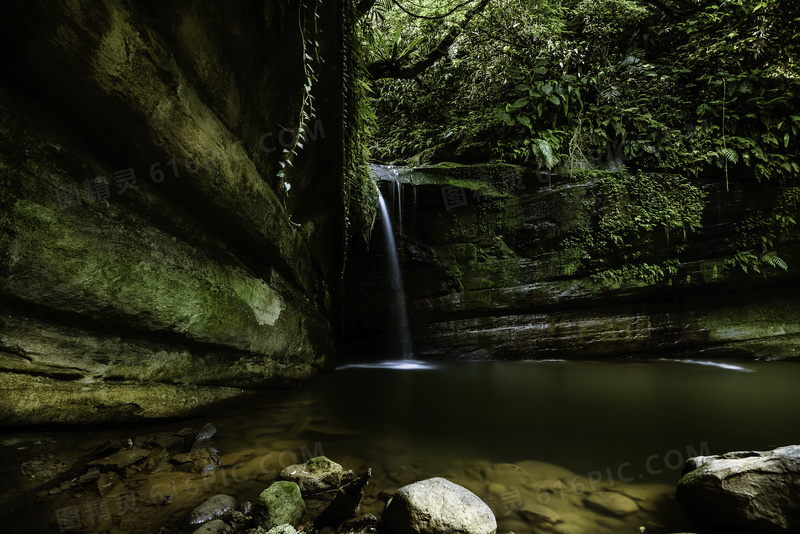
<point>399,365</point>
<point>720,365</point>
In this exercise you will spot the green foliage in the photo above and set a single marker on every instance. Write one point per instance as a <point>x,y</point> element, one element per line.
<point>591,83</point>
<point>622,242</point>
<point>612,84</point>
<point>640,274</point>
<point>359,192</point>
<point>632,206</point>
<point>761,232</point>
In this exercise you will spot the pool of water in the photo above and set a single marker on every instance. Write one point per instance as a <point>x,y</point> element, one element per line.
<point>519,434</point>
<point>581,415</point>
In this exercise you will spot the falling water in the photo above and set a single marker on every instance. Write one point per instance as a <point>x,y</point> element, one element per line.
<point>396,282</point>
<point>399,211</point>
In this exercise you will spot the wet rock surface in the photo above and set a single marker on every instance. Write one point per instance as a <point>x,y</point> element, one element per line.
<point>212,508</point>
<point>747,490</point>
<point>113,291</point>
<point>502,274</point>
<point>526,497</point>
<point>317,475</point>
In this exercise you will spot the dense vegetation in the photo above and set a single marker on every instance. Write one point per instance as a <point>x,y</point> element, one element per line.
<point>677,87</point>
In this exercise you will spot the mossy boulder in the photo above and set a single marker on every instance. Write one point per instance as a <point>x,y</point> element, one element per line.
<point>317,475</point>
<point>280,504</point>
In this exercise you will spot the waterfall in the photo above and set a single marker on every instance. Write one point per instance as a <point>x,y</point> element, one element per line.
<point>399,206</point>
<point>396,282</point>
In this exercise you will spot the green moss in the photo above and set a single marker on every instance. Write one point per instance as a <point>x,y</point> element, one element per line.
<point>318,463</point>
<point>475,245</point>
<point>620,227</point>
<point>127,273</point>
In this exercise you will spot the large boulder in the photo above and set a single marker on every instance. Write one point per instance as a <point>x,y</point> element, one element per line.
<point>317,475</point>
<point>280,504</point>
<point>438,506</point>
<point>751,491</point>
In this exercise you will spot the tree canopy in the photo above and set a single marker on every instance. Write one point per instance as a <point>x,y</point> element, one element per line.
<point>680,87</point>
<point>657,84</point>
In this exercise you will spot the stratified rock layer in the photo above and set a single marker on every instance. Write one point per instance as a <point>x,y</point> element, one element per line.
<point>151,261</point>
<point>500,262</point>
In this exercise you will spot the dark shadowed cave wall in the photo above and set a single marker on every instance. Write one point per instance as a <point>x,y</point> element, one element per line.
<point>165,241</point>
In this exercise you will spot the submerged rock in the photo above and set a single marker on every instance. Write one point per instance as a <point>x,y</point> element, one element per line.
<point>317,475</point>
<point>280,504</point>
<point>164,440</point>
<point>611,503</point>
<point>438,506</point>
<point>120,460</point>
<point>196,461</point>
<point>212,508</point>
<point>539,513</point>
<point>753,491</point>
<point>216,526</point>
<point>109,484</point>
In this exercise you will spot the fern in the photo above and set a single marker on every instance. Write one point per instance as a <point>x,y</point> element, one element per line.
<point>730,155</point>
<point>546,152</point>
<point>774,261</point>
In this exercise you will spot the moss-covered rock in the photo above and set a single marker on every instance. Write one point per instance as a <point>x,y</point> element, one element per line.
<point>317,475</point>
<point>147,245</point>
<point>280,504</point>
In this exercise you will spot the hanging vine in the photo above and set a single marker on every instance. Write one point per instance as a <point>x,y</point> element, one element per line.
<point>360,196</point>
<point>308,22</point>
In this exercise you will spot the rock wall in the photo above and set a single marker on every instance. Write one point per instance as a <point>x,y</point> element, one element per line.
<point>154,256</point>
<point>504,263</point>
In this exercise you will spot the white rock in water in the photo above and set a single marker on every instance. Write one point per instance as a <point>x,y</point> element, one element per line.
<point>438,506</point>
